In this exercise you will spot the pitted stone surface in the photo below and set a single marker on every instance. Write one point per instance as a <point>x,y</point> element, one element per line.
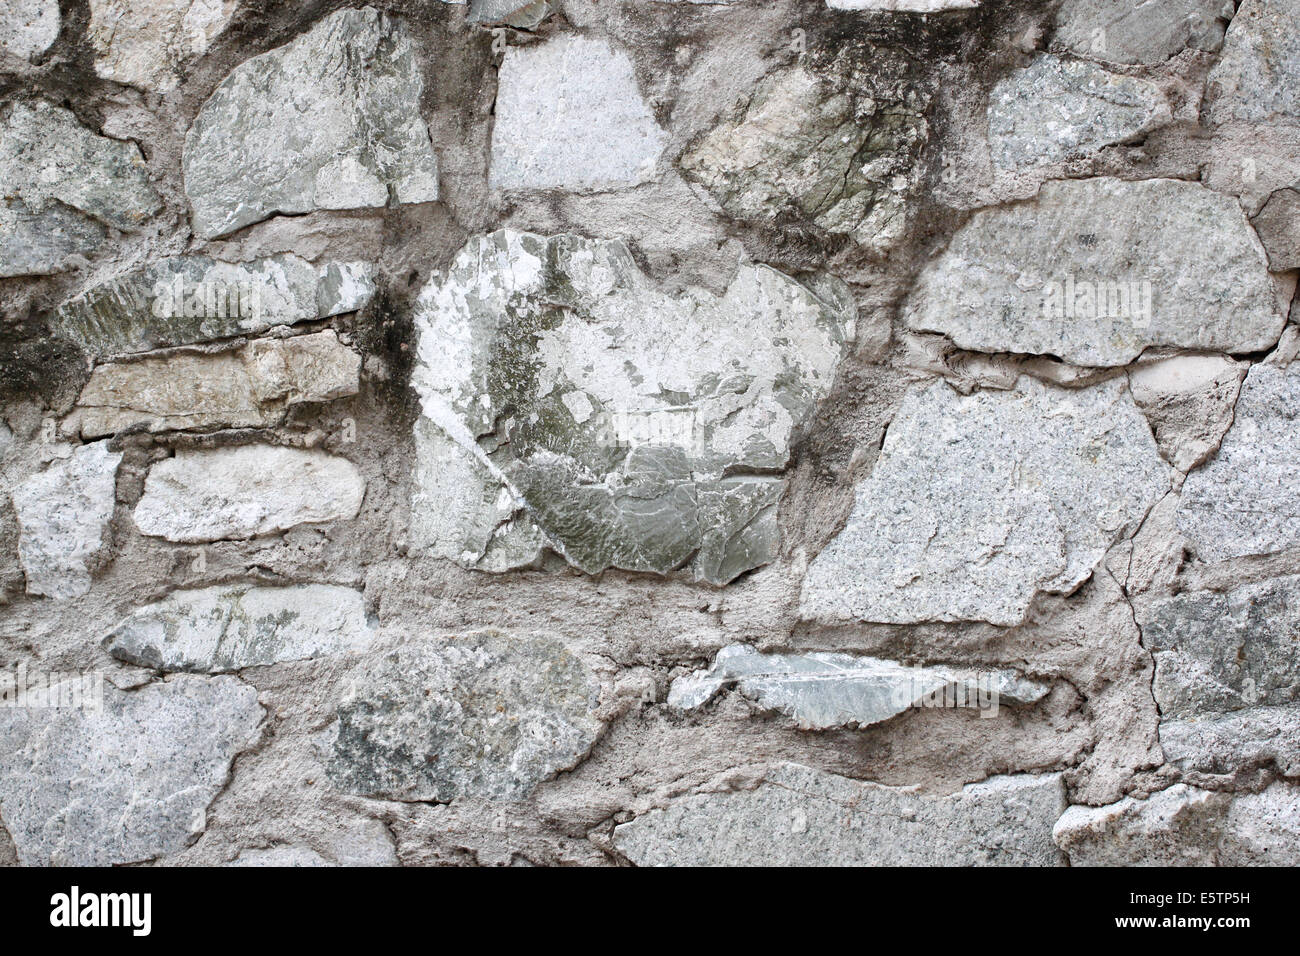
<point>1243,501</point>
<point>63,514</point>
<point>28,27</point>
<point>799,816</point>
<point>218,629</point>
<point>1084,273</point>
<point>1057,109</point>
<point>486,714</point>
<point>1222,744</point>
<point>145,42</point>
<point>1139,31</point>
<point>252,386</point>
<point>349,92</point>
<point>242,492</point>
<point>568,399</point>
<point>821,690</point>
<point>569,114</point>
<point>127,783</point>
<point>184,300</point>
<point>980,502</point>
<point>1257,78</point>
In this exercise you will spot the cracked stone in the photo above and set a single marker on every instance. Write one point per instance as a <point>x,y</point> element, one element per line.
<point>1224,652</point>
<point>124,783</point>
<point>328,121</point>
<point>63,513</point>
<point>844,159</point>
<point>980,502</point>
<point>568,402</point>
<point>569,114</point>
<point>485,714</point>
<point>824,690</point>
<point>184,300</point>
<point>1257,77</point>
<point>1243,502</point>
<point>1084,273</point>
<point>220,629</point>
<point>1139,31</point>
<point>798,816</point>
<point>1278,225</point>
<point>28,27</point>
<point>246,491</point>
<point>1055,109</point>
<point>145,42</point>
<point>1186,826</point>
<point>249,387</point>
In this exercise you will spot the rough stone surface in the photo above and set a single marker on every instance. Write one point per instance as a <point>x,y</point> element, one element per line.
<point>1257,77</point>
<point>1186,826</point>
<point>822,690</point>
<point>1189,401</point>
<point>570,401</point>
<point>1278,225</point>
<point>126,783</point>
<point>903,6</point>
<point>978,503</point>
<point>801,816</point>
<point>28,27</point>
<point>146,42</point>
<point>63,514</point>
<point>229,628</point>
<point>1139,31</point>
<point>188,299</point>
<point>1057,109</point>
<point>841,158</point>
<point>1242,740</point>
<point>569,114</point>
<point>1243,501</point>
<point>245,491</point>
<point>485,714</point>
<point>252,386</point>
<point>349,89</point>
<point>1083,273</point>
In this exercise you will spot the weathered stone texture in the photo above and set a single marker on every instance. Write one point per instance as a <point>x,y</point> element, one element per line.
<point>1278,225</point>
<point>485,714</point>
<point>798,816</point>
<point>126,783</point>
<point>1240,740</point>
<point>349,92</point>
<point>28,27</point>
<point>1257,78</point>
<point>903,6</point>
<point>980,502</point>
<point>243,492</point>
<point>1084,273</point>
<point>1189,401</point>
<point>146,42</point>
<point>1139,31</point>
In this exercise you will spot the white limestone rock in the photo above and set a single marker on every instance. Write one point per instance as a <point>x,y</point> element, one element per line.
<point>1257,78</point>
<point>570,115</point>
<point>28,27</point>
<point>219,629</point>
<point>1084,273</point>
<point>246,491</point>
<point>1055,109</point>
<point>798,816</point>
<point>127,783</point>
<point>1139,31</point>
<point>980,502</point>
<point>63,514</point>
<point>328,121</point>
<point>146,42</point>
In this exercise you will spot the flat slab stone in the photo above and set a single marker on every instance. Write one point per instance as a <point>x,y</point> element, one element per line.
<point>1084,272</point>
<point>245,491</point>
<point>485,714</point>
<point>28,27</point>
<point>1139,31</point>
<point>1055,109</point>
<point>249,387</point>
<point>1187,826</point>
<point>348,91</point>
<point>1223,652</point>
<point>182,300</point>
<point>1243,501</point>
<point>799,816</point>
<point>127,783</point>
<point>63,514</point>
<point>980,502</point>
<point>824,690</point>
<point>145,42</point>
<point>219,629</point>
<point>46,242</point>
<point>1257,78</point>
<point>1239,740</point>
<point>570,403</point>
<point>570,115</point>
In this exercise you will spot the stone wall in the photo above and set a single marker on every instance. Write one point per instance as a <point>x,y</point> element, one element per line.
<point>649,431</point>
